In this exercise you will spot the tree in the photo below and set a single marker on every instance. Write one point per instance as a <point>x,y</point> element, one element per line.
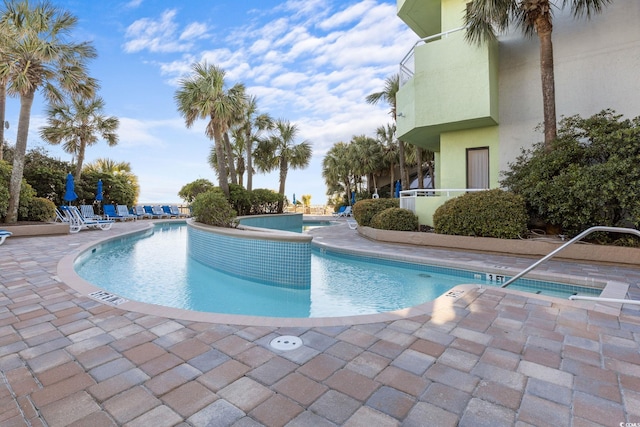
<point>78,124</point>
<point>202,96</point>
<point>122,170</point>
<point>252,125</point>
<point>280,152</point>
<point>485,17</point>
<point>189,191</point>
<point>385,136</point>
<point>337,169</point>
<point>391,87</point>
<point>40,58</point>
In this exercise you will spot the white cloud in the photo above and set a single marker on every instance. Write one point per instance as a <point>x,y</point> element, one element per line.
<point>162,35</point>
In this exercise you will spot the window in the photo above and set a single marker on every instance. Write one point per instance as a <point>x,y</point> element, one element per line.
<point>478,167</point>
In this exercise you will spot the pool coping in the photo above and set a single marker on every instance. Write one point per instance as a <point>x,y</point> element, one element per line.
<point>67,274</point>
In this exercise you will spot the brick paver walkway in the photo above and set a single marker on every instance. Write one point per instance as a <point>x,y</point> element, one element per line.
<point>489,358</point>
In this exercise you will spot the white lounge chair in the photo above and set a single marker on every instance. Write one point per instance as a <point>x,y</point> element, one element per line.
<point>3,235</point>
<point>88,212</point>
<point>77,222</point>
<point>352,223</point>
<point>139,212</point>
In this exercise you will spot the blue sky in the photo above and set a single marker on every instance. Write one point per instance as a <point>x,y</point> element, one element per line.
<point>311,62</point>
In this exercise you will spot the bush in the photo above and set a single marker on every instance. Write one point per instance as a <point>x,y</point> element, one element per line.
<point>396,219</point>
<point>492,213</point>
<point>589,177</point>
<point>240,199</point>
<point>43,210</point>
<point>212,208</point>
<point>265,201</point>
<point>365,210</point>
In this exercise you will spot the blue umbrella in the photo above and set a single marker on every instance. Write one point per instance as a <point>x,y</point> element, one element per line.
<point>397,189</point>
<point>69,194</point>
<point>294,199</point>
<point>99,191</point>
<point>353,197</point>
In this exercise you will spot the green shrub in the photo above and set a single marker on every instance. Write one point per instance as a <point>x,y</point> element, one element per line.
<point>492,213</point>
<point>365,210</point>
<point>396,219</point>
<point>240,199</point>
<point>212,208</point>
<point>265,201</point>
<point>43,210</point>
<point>589,177</point>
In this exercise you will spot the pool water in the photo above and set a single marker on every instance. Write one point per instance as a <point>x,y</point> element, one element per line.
<point>155,268</point>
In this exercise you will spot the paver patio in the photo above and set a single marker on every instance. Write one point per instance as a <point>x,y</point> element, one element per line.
<point>488,357</point>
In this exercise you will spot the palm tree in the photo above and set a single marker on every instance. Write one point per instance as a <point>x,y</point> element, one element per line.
<point>485,17</point>
<point>40,58</point>
<point>202,96</point>
<point>252,125</point>
<point>391,87</point>
<point>79,124</point>
<point>337,169</point>
<point>368,158</point>
<point>237,147</point>
<point>7,37</point>
<point>386,137</point>
<point>111,167</point>
<point>279,152</point>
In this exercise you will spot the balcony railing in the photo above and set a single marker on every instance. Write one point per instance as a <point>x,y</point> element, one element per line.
<point>408,197</point>
<point>407,65</point>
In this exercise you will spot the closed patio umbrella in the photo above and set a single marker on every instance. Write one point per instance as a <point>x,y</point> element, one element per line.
<point>353,198</point>
<point>99,191</point>
<point>69,193</point>
<point>397,192</point>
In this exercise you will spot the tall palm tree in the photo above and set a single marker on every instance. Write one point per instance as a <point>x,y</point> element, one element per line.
<point>7,37</point>
<point>337,169</point>
<point>40,58</point>
<point>279,151</point>
<point>237,147</point>
<point>386,137</point>
<point>252,125</point>
<point>388,94</point>
<point>485,17</point>
<point>78,124</point>
<point>202,95</point>
<point>368,158</point>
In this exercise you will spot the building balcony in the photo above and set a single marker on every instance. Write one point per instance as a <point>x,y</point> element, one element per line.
<point>447,84</point>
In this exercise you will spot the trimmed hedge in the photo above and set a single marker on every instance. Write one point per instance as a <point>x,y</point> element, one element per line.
<point>364,210</point>
<point>396,219</point>
<point>212,208</point>
<point>492,213</point>
<point>41,209</point>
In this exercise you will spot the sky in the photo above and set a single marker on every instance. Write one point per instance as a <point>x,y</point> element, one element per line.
<point>311,62</point>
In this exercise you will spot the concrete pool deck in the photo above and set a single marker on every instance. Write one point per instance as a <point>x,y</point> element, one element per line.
<point>485,356</point>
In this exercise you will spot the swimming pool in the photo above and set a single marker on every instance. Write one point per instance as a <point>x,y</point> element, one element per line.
<point>154,267</point>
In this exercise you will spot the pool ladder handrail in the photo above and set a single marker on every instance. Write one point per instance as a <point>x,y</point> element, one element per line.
<point>569,243</point>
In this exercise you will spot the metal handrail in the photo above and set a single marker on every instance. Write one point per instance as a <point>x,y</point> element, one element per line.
<point>569,243</point>
<point>403,62</point>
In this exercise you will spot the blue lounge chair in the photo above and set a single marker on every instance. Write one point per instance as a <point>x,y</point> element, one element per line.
<point>77,222</point>
<point>339,211</point>
<point>3,235</point>
<point>123,211</point>
<point>345,212</point>
<point>167,210</point>
<point>153,212</point>
<point>110,213</point>
<point>139,212</point>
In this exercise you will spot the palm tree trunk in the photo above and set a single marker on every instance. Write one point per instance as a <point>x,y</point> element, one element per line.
<point>544,29</point>
<point>223,181</point>
<point>249,148</point>
<point>284,168</point>
<point>392,177</point>
<point>230,159</point>
<point>81,151</point>
<point>26,101</point>
<point>420,171</point>
<point>403,166</point>
<point>3,108</point>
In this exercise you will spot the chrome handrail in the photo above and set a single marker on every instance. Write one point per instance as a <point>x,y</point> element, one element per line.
<point>569,243</point>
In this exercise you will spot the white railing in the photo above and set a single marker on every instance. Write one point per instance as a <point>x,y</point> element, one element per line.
<point>408,197</point>
<point>407,65</point>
